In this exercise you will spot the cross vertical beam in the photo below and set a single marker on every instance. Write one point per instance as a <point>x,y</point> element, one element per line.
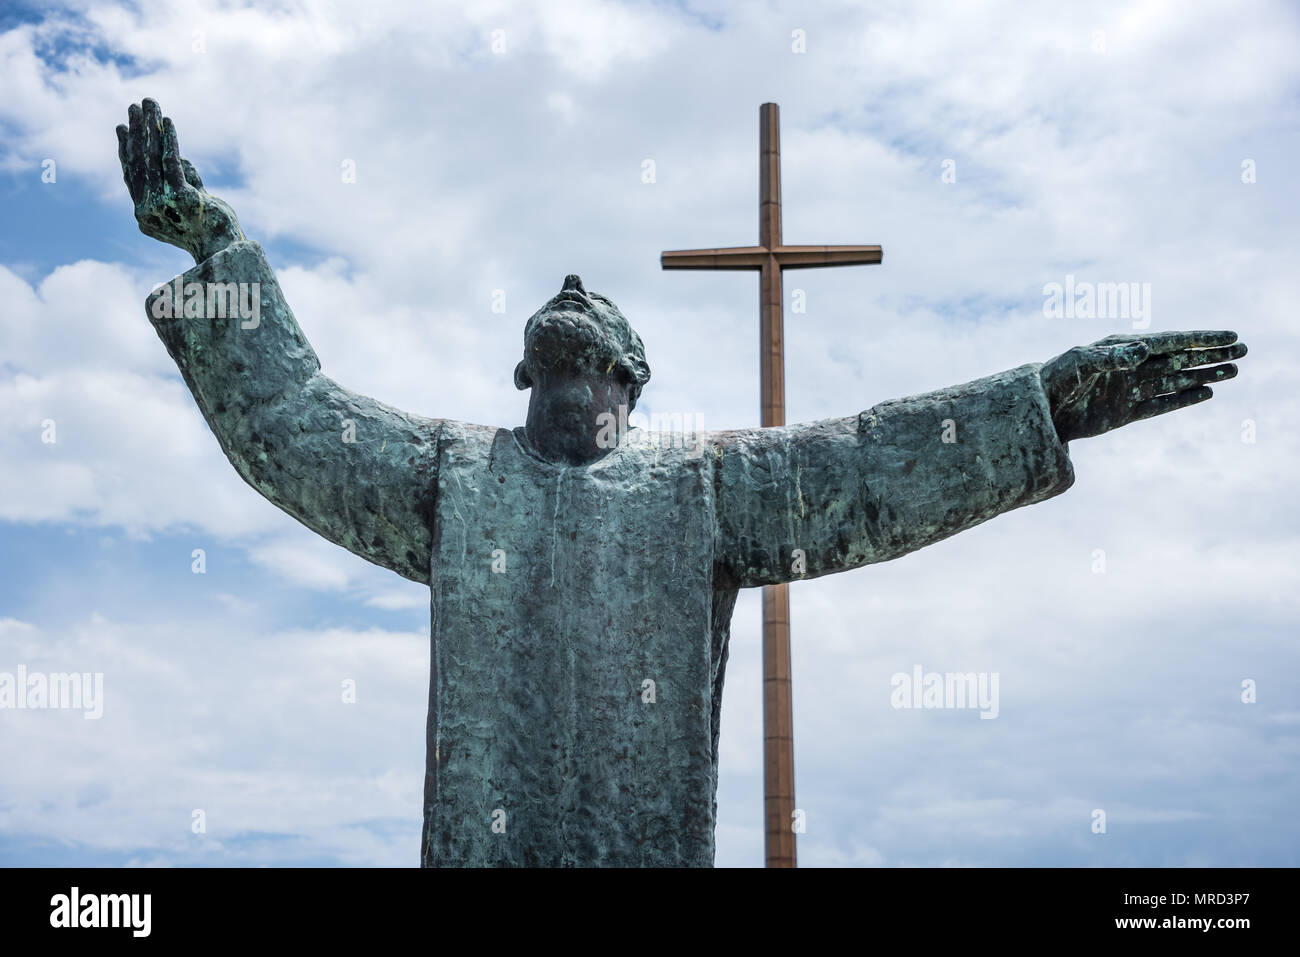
<point>778,690</point>
<point>770,257</point>
<point>771,321</point>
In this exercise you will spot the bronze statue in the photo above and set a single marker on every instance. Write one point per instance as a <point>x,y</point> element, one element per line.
<point>582,589</point>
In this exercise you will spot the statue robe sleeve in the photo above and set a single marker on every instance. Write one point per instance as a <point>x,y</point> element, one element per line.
<point>906,473</point>
<point>351,469</point>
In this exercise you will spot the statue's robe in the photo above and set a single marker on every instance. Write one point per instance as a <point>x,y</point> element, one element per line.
<point>580,614</point>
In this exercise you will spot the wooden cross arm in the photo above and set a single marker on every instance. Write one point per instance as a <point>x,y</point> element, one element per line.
<point>734,257</point>
<point>800,257</point>
<point>755,257</point>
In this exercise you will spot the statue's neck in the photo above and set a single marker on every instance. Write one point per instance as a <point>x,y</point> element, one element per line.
<point>561,446</point>
<point>573,421</point>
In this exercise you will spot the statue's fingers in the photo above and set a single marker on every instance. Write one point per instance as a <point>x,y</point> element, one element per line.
<point>153,144</point>
<point>173,174</point>
<point>191,174</point>
<point>1170,403</point>
<point>135,127</point>
<point>1183,381</point>
<point>1204,357</point>
<point>1163,343</point>
<point>135,150</point>
<point>139,156</point>
<point>124,157</point>
<point>1191,358</point>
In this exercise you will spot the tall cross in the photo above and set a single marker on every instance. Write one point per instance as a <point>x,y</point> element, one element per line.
<point>770,257</point>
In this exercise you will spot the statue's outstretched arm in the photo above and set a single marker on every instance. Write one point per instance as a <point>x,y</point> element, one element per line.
<point>352,469</point>
<point>808,500</point>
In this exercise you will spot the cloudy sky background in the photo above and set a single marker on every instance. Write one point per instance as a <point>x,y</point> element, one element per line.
<point>1114,156</point>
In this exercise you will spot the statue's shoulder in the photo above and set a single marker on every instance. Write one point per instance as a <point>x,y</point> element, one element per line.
<point>671,450</point>
<point>468,435</point>
<point>468,446</point>
<point>456,431</point>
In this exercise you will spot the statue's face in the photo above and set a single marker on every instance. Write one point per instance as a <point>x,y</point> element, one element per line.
<point>577,333</point>
<point>581,335</point>
<point>581,359</point>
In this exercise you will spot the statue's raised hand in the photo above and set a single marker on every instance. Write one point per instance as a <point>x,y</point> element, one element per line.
<point>1124,378</point>
<point>171,204</point>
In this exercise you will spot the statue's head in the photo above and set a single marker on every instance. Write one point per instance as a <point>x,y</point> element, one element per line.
<point>584,363</point>
<point>581,335</point>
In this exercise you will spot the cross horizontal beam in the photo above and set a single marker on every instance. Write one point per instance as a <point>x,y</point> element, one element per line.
<point>756,257</point>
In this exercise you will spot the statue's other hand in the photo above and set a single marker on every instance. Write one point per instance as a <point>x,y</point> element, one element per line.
<point>171,204</point>
<point>1127,377</point>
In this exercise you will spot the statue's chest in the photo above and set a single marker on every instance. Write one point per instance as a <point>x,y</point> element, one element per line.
<point>636,522</point>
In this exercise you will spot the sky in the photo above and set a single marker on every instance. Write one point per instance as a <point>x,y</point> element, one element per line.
<point>1142,625</point>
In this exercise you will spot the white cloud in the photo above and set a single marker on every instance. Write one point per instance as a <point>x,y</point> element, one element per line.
<point>253,721</point>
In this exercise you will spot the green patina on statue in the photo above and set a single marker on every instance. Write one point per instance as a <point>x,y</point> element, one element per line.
<point>582,589</point>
